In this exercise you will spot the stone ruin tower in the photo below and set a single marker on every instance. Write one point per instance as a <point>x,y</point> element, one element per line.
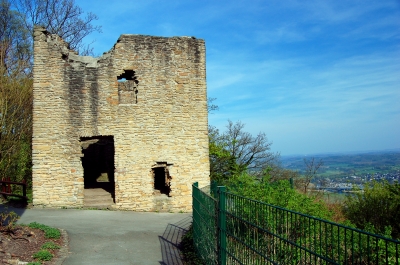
<point>127,129</point>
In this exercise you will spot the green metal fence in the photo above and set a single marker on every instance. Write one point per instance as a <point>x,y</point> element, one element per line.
<point>230,229</point>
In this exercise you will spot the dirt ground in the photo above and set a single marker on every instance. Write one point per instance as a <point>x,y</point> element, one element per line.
<point>20,244</point>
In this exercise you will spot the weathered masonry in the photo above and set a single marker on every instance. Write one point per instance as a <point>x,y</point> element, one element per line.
<point>132,122</point>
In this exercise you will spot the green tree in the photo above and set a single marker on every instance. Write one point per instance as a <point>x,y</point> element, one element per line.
<point>279,193</point>
<point>236,151</point>
<point>220,159</point>
<point>377,205</point>
<point>17,18</point>
<point>15,127</point>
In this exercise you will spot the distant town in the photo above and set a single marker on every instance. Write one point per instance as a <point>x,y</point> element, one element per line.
<point>341,184</point>
<point>339,173</point>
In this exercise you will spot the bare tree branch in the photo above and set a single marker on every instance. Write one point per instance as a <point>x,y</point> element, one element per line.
<point>210,106</point>
<point>312,167</point>
<point>61,17</point>
<point>237,151</point>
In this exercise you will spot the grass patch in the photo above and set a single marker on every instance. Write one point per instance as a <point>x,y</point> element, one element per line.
<point>50,245</point>
<point>49,232</point>
<point>43,255</point>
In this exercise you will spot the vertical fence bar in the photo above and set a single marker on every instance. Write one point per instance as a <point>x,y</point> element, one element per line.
<point>221,226</point>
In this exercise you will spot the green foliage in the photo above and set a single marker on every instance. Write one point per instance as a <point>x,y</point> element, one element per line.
<point>50,232</point>
<point>50,245</point>
<point>34,263</point>
<point>279,193</point>
<point>15,128</point>
<point>187,247</point>
<point>17,19</point>
<point>376,208</point>
<point>222,164</point>
<point>37,226</point>
<point>236,151</point>
<point>301,230</point>
<point>43,255</point>
<point>257,232</point>
<point>23,161</point>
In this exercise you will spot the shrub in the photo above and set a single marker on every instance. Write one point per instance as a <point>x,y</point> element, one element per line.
<point>43,255</point>
<point>278,193</point>
<point>377,207</point>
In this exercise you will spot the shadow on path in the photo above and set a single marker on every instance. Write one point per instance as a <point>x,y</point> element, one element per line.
<point>170,240</point>
<point>6,207</point>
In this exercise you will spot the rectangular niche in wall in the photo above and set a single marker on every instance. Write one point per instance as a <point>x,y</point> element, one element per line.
<point>128,87</point>
<point>162,178</point>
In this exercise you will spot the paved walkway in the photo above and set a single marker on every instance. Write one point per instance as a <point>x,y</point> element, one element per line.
<point>115,237</point>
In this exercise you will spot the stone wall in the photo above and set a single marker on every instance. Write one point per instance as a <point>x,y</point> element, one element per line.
<point>147,94</point>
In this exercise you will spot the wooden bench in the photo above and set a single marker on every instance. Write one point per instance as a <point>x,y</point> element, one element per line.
<point>6,189</point>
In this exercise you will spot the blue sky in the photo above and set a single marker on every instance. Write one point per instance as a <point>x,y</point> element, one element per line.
<point>316,76</point>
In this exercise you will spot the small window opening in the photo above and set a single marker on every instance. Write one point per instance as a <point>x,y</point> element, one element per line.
<point>128,87</point>
<point>162,178</point>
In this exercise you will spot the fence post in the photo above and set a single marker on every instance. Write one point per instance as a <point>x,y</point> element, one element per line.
<point>221,226</point>
<point>291,183</point>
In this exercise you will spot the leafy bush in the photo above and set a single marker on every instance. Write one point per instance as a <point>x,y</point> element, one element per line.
<point>377,209</point>
<point>50,232</point>
<point>287,237</point>
<point>50,245</point>
<point>278,193</point>
<point>43,255</point>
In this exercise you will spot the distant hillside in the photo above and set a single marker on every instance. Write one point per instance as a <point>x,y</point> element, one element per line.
<point>339,165</point>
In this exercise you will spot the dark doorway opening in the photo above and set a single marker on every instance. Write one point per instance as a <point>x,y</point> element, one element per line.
<point>98,163</point>
<point>162,179</point>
